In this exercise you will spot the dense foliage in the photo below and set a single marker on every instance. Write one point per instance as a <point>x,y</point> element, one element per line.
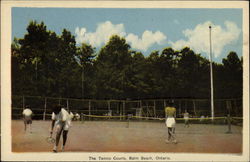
<point>47,64</point>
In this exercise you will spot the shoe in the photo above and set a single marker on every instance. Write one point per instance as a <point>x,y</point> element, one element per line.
<point>167,141</point>
<point>55,149</point>
<point>175,141</point>
<point>62,148</point>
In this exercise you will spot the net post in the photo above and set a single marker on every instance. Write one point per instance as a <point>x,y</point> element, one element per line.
<point>229,124</point>
<point>82,117</point>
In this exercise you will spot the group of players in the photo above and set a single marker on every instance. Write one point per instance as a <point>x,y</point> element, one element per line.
<point>61,122</point>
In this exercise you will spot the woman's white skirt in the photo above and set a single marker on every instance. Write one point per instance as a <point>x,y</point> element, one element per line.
<point>170,122</point>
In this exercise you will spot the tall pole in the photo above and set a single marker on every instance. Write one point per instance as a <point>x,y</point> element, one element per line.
<point>211,75</point>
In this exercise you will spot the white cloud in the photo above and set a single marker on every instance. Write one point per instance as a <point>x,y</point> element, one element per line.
<point>198,38</point>
<point>106,29</point>
<point>147,40</point>
<point>101,35</point>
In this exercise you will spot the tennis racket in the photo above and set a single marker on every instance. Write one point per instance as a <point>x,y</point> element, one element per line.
<point>50,140</point>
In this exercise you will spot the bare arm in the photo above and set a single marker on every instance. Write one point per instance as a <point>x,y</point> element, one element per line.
<point>52,127</point>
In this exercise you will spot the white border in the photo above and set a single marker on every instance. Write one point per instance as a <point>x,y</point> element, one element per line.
<point>83,156</point>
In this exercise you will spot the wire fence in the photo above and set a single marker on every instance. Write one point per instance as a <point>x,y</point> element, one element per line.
<point>41,107</point>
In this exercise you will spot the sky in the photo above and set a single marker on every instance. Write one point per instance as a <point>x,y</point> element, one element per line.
<point>145,29</point>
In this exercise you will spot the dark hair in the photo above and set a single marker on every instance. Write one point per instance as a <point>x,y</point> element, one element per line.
<point>56,109</point>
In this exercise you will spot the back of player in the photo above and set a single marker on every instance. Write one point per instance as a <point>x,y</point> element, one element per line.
<point>170,113</point>
<point>27,118</point>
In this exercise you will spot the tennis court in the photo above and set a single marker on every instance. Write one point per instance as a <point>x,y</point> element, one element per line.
<point>133,136</point>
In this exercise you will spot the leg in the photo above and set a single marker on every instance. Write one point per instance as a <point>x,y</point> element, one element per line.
<point>29,126</point>
<point>65,134</point>
<point>169,135</point>
<point>25,126</point>
<point>58,134</point>
<point>30,122</point>
<point>172,132</point>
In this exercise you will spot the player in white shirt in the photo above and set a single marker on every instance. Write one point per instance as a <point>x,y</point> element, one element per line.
<point>77,117</point>
<point>61,120</point>
<point>27,114</point>
<point>186,118</point>
<point>202,118</point>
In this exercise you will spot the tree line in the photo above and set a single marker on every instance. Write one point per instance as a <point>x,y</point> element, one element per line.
<point>46,64</point>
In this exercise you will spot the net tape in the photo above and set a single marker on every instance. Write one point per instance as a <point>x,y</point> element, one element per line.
<point>156,118</point>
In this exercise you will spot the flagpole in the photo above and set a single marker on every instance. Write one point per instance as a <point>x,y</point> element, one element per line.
<point>211,75</point>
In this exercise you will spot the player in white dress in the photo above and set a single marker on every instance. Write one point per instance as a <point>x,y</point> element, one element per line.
<point>27,118</point>
<point>170,113</point>
<point>61,120</point>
